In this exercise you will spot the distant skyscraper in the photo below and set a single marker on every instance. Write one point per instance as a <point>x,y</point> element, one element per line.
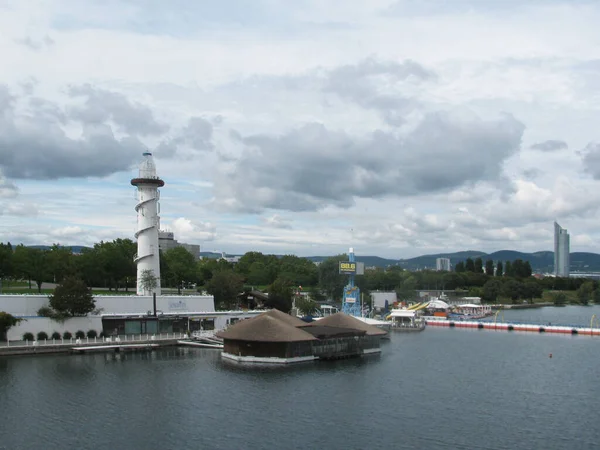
<point>442,264</point>
<point>561,251</point>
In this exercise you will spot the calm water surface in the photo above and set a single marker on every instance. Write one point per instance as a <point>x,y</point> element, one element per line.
<point>438,389</point>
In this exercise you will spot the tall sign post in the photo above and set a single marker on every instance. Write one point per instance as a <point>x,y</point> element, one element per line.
<point>351,302</point>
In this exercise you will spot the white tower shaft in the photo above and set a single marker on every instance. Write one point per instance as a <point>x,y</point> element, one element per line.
<point>148,224</point>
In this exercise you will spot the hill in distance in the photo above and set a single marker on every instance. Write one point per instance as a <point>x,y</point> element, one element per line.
<point>542,261</point>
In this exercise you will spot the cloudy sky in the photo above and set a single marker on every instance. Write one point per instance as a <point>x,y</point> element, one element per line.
<point>400,127</point>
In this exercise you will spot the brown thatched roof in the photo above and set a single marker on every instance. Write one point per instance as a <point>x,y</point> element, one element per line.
<point>265,328</point>
<point>341,320</point>
<point>290,320</point>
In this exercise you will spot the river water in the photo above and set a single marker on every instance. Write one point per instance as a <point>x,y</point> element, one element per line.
<point>437,389</point>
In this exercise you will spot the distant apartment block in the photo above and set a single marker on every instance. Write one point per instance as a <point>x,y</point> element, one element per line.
<point>561,251</point>
<point>167,241</point>
<point>442,264</point>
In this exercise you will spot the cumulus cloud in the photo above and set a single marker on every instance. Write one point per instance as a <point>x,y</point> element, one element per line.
<point>196,136</point>
<point>312,166</point>
<point>191,231</point>
<point>591,159</point>
<point>276,221</point>
<point>36,146</point>
<point>549,146</point>
<point>384,86</point>
<point>101,105</point>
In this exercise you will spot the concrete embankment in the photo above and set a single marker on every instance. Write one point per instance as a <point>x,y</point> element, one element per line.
<point>20,348</point>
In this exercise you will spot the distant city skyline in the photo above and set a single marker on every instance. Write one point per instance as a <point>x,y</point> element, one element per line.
<point>304,127</point>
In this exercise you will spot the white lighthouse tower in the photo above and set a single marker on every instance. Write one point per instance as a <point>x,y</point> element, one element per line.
<point>148,223</point>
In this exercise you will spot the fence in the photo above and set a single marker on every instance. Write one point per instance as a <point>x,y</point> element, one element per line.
<point>103,340</point>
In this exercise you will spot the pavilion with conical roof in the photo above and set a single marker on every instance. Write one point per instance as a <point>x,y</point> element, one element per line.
<point>276,337</point>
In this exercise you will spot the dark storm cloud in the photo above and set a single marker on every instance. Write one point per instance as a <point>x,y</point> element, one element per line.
<point>311,167</point>
<point>101,105</point>
<point>35,146</point>
<point>550,146</point>
<point>591,159</point>
<point>7,188</point>
<point>377,85</point>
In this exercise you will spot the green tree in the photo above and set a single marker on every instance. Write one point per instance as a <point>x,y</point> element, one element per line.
<point>491,290</point>
<point>7,321</point>
<point>460,267</point>
<point>499,269</point>
<point>225,285</point>
<point>330,280</point>
<point>60,263</point>
<point>72,298</point>
<point>280,296</point>
<point>512,289</point>
<point>478,265</point>
<point>6,262</point>
<point>306,306</point>
<point>469,265</point>
<point>407,290</point>
<point>38,260</point>
<point>508,270</point>
<point>148,282</point>
<point>181,267</point>
<point>531,290</point>
<point>560,299</point>
<point>585,292</point>
<point>489,267</point>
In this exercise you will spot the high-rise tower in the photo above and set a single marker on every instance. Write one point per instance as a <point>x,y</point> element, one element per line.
<point>561,251</point>
<point>148,224</point>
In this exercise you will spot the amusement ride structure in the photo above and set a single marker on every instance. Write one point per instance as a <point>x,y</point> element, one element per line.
<point>351,302</point>
<point>148,224</point>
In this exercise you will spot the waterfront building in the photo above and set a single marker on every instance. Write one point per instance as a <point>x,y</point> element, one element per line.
<point>167,241</point>
<point>561,251</point>
<point>442,264</point>
<point>276,337</point>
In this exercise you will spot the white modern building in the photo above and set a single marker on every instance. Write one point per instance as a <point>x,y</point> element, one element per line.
<point>561,251</point>
<point>167,241</point>
<point>442,265</point>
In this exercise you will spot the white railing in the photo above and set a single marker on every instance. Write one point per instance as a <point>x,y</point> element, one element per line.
<point>119,339</point>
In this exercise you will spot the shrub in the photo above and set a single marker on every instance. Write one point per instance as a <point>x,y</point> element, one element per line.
<point>102,334</point>
<point>28,337</point>
<point>45,311</point>
<point>67,335</point>
<point>92,334</point>
<point>42,336</point>
<point>79,334</point>
<point>56,335</point>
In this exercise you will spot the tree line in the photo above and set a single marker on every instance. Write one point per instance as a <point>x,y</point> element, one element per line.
<point>111,265</point>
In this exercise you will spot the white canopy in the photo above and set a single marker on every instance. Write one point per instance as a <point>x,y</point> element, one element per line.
<point>403,313</point>
<point>470,305</point>
<point>438,304</point>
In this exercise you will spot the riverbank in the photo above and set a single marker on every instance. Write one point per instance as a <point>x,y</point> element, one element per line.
<point>525,306</point>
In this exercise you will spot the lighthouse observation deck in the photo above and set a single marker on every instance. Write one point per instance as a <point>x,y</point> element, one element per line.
<point>147,173</point>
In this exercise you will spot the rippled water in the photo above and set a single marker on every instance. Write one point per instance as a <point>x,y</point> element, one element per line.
<point>441,388</point>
